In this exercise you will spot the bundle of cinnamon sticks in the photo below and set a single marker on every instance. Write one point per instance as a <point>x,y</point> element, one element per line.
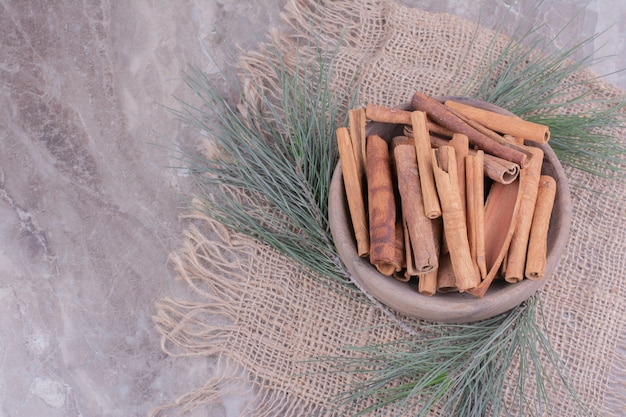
<point>454,201</point>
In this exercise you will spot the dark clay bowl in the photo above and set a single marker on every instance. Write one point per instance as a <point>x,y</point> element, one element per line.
<point>447,307</point>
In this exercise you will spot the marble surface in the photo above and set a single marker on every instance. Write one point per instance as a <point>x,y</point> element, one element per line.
<point>89,192</point>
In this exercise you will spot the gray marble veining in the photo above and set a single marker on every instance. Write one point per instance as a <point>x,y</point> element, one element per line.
<point>89,201</point>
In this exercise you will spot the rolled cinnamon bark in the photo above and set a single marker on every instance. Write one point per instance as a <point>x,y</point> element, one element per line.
<point>433,128</point>
<point>508,141</point>
<point>454,224</point>
<point>356,124</point>
<point>460,143</point>
<point>497,169</point>
<point>444,117</point>
<point>479,178</point>
<point>471,206</point>
<point>500,170</point>
<point>423,152</point>
<point>418,226</point>
<point>399,258</point>
<point>382,114</point>
<point>446,282</point>
<point>510,125</point>
<point>427,284</point>
<point>409,263</point>
<point>381,206</point>
<point>476,211</point>
<point>354,191</point>
<point>538,241</point>
<point>516,257</point>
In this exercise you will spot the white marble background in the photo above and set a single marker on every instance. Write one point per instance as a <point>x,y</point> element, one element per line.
<point>88,196</point>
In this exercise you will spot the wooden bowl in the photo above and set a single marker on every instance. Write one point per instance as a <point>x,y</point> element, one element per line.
<point>449,307</point>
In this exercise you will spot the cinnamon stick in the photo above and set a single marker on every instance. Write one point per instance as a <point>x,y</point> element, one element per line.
<point>421,138</point>
<point>382,207</point>
<point>476,211</point>
<point>529,177</point>
<point>399,260</point>
<point>427,284</point>
<point>441,115</point>
<point>460,143</point>
<point>418,225</point>
<point>500,170</point>
<point>446,282</point>
<point>432,128</point>
<point>505,124</point>
<point>454,224</point>
<point>354,191</point>
<point>471,206</point>
<point>356,125</point>
<point>409,263</point>
<point>479,174</point>
<point>382,114</point>
<point>507,141</point>
<point>497,169</point>
<point>538,241</point>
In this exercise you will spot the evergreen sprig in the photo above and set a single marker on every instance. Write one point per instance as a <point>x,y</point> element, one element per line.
<point>278,156</point>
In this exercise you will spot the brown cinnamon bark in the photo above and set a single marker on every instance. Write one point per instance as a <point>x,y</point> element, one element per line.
<point>479,178</point>
<point>354,191</point>
<point>446,282</point>
<point>501,211</point>
<point>538,241</point>
<point>399,258</point>
<point>454,224</point>
<point>471,206</point>
<point>433,128</point>
<point>507,141</point>
<point>476,211</point>
<point>409,263</point>
<point>427,284</point>
<point>500,170</point>
<point>421,137</point>
<point>356,124</point>
<point>382,207</point>
<point>516,258</point>
<point>510,125</point>
<point>442,116</point>
<point>460,143</point>
<point>497,169</point>
<point>418,226</point>
<point>382,114</point>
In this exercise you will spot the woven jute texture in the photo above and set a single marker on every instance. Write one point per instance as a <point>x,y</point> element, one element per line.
<point>265,321</point>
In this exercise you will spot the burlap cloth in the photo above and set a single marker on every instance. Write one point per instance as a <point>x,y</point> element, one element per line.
<point>263,320</point>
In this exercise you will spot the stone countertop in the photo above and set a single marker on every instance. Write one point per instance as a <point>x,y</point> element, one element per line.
<point>90,193</point>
